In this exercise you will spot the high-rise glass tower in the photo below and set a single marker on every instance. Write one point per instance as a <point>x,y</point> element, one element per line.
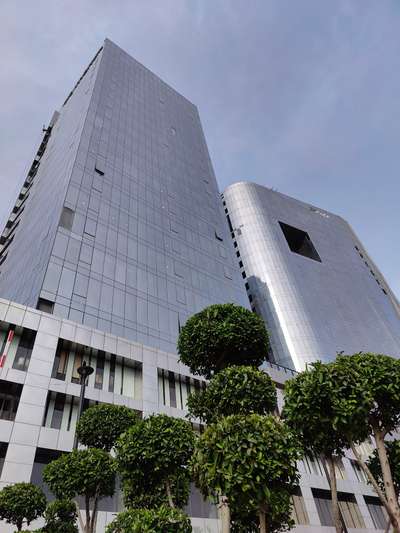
<point>119,224</point>
<point>310,278</point>
<point>117,236</point>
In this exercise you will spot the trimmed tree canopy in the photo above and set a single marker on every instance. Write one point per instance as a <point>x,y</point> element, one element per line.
<point>87,473</point>
<point>156,450</point>
<point>222,335</point>
<point>101,425</point>
<point>336,405</point>
<point>22,502</point>
<point>369,396</point>
<point>309,409</point>
<point>236,390</point>
<point>249,459</point>
<point>161,520</point>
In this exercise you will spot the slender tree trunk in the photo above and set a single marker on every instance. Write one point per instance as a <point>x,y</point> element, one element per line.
<point>389,522</point>
<point>78,512</point>
<point>87,512</point>
<point>371,479</point>
<point>387,479</point>
<point>264,526</point>
<point>94,514</point>
<point>225,514</point>
<point>335,503</point>
<point>169,494</point>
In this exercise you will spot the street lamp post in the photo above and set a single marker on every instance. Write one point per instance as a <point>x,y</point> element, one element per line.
<point>84,371</point>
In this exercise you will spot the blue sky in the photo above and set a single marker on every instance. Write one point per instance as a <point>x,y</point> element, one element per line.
<point>300,96</point>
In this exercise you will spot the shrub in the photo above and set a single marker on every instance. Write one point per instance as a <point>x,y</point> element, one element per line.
<point>60,517</point>
<point>161,520</point>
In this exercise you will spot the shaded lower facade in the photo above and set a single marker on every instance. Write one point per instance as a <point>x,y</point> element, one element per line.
<point>39,403</point>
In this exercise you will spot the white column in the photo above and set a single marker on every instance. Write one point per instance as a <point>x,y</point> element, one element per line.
<point>29,417</point>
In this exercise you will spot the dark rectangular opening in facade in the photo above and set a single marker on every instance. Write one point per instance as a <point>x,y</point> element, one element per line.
<point>67,218</point>
<point>24,350</point>
<point>3,452</point>
<point>45,305</point>
<point>299,242</point>
<point>10,393</point>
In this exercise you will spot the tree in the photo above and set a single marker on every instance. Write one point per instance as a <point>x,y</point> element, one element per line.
<point>393,454</point>
<point>60,517</point>
<point>309,410</point>
<point>252,461</point>
<point>236,390</point>
<point>367,392</point>
<point>150,492</point>
<point>246,520</point>
<point>22,502</point>
<point>374,465</point>
<point>337,405</point>
<point>89,473</point>
<point>101,425</point>
<point>155,451</point>
<point>161,520</point>
<point>222,335</point>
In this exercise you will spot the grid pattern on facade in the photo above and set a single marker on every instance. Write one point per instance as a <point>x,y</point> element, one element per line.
<point>111,373</point>
<point>313,309</point>
<point>35,235</point>
<point>136,240</point>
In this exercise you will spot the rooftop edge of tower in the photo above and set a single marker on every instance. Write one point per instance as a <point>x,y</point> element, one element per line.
<point>245,183</point>
<point>109,43</point>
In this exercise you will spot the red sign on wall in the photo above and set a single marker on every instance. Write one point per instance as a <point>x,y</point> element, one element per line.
<point>6,347</point>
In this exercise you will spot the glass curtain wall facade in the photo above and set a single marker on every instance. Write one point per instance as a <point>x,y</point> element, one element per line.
<point>123,229</point>
<point>310,278</point>
<point>117,237</point>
